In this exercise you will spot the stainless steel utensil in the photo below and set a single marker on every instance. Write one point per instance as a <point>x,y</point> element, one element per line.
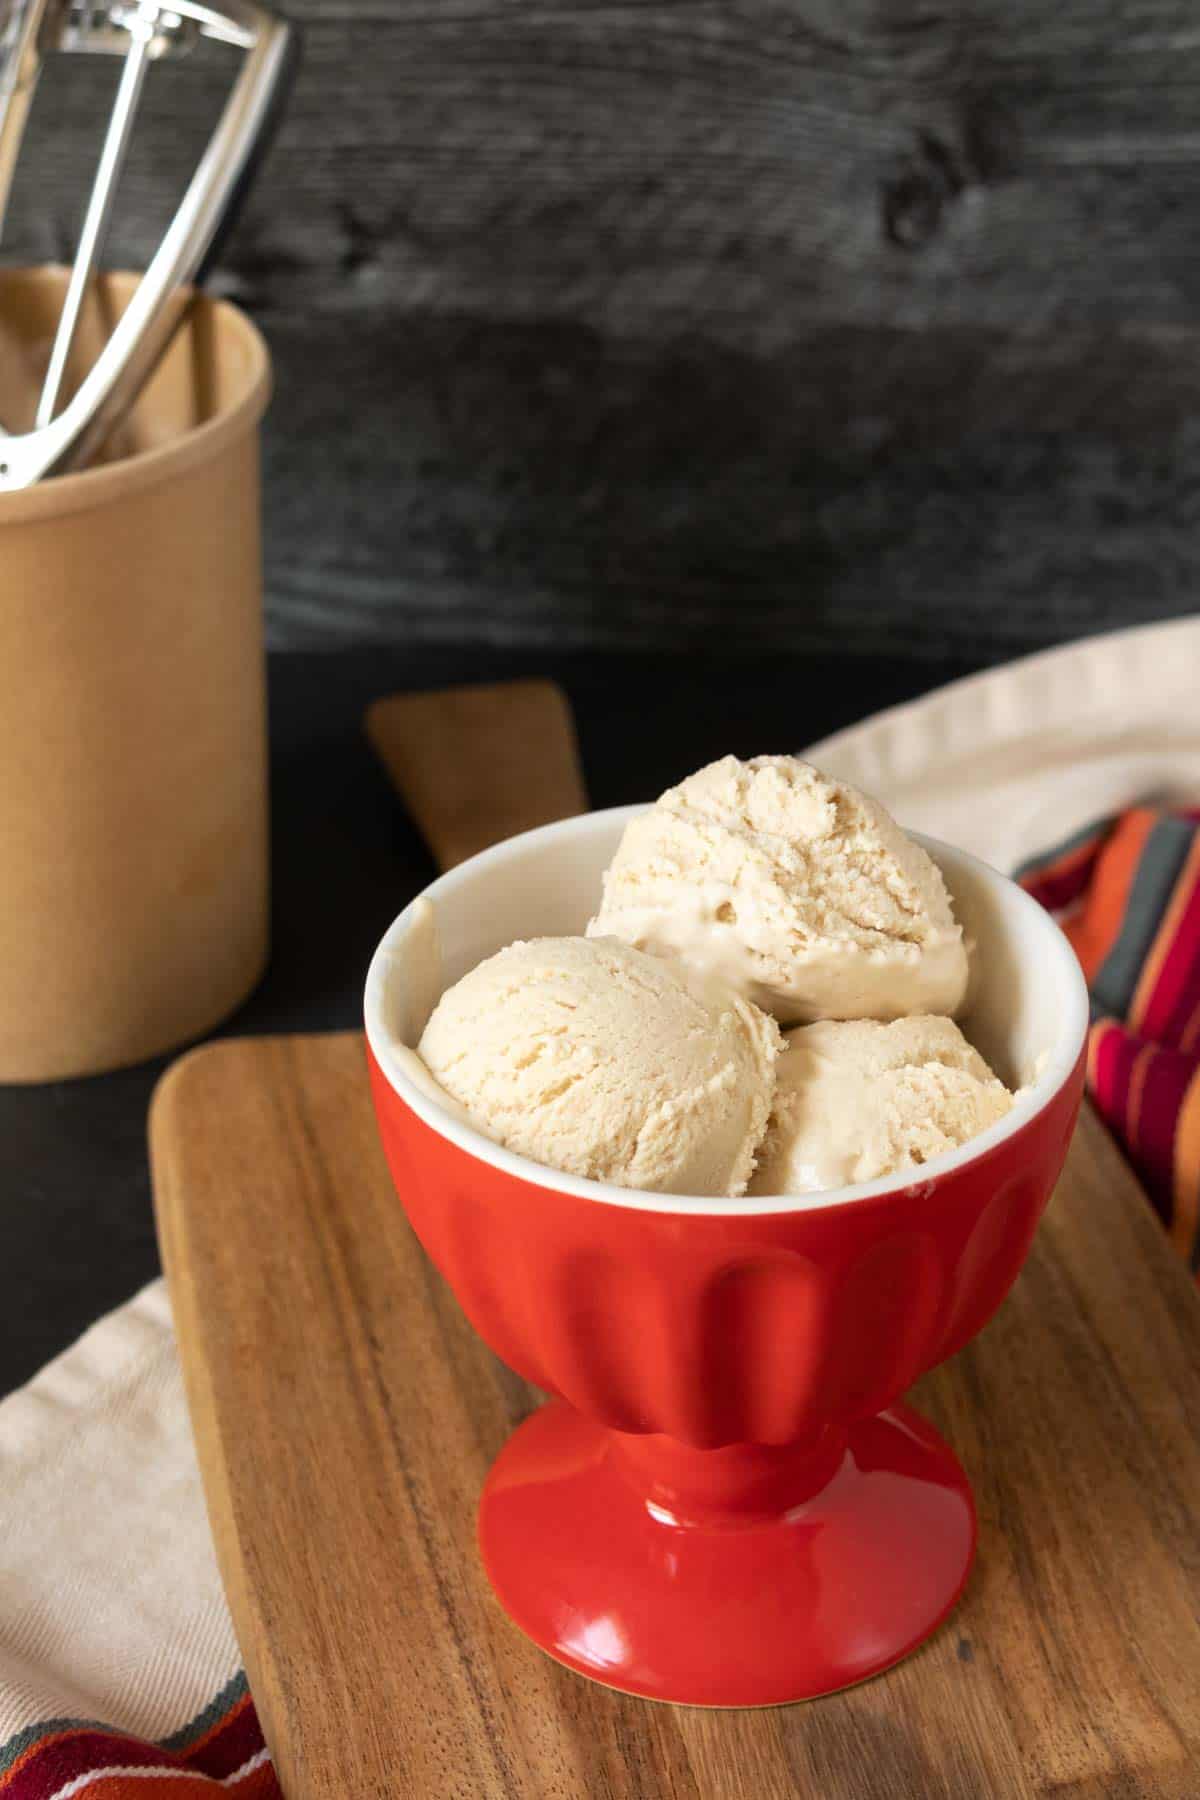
<point>141,32</point>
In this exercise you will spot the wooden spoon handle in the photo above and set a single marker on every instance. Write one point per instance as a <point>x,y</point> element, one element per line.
<point>478,764</point>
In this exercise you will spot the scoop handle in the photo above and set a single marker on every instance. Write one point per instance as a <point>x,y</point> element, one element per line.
<point>481,763</point>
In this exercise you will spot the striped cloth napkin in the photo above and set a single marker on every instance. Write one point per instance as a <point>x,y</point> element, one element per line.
<point>120,1676</point>
<point>1126,891</point>
<point>119,1671</point>
<point>222,1748</point>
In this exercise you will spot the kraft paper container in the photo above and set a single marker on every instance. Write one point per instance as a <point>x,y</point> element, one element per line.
<point>133,794</point>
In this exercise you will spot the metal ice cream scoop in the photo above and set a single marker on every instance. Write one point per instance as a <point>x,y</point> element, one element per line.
<point>140,32</point>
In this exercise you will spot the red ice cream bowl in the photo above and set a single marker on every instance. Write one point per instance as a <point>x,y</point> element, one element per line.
<point>727,1503</point>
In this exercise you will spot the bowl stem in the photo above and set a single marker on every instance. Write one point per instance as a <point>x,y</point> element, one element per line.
<point>735,1482</point>
<point>747,1575</point>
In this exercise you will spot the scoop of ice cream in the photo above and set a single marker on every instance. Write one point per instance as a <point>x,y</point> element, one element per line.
<point>592,1057</point>
<point>797,890</point>
<point>855,1099</point>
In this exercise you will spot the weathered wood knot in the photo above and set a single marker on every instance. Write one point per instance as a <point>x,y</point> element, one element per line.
<point>985,151</point>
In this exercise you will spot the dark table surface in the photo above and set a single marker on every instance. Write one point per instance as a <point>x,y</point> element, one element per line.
<point>76,1227</point>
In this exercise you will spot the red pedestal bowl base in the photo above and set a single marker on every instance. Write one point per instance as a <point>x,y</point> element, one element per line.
<point>735,1577</point>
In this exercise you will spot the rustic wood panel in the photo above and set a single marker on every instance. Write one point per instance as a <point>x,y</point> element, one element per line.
<point>767,321</point>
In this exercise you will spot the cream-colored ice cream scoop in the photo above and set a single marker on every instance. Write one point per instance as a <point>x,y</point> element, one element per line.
<point>797,890</point>
<point>856,1099</point>
<point>594,1058</point>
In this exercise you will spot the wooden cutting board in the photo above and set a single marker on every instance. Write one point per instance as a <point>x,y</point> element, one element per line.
<point>345,1416</point>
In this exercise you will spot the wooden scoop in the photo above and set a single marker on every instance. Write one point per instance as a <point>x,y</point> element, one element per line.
<point>345,1415</point>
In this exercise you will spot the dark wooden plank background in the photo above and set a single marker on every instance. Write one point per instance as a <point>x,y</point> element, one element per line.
<point>768,322</point>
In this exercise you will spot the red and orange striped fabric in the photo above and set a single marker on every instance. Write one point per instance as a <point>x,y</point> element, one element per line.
<point>222,1750</point>
<point>1127,893</point>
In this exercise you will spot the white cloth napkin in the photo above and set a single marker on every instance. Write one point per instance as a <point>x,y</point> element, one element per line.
<point>1010,762</point>
<point>110,1604</point>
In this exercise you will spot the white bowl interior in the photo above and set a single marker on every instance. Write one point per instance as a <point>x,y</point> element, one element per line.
<point>1026,1011</point>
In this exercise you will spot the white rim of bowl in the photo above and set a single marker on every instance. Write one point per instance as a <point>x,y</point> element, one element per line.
<point>1031,1100</point>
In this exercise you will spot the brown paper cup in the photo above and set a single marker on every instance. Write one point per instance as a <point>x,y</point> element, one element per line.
<point>133,794</point>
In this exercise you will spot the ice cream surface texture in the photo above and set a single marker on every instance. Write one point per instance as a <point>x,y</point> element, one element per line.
<point>595,1058</point>
<point>857,1099</point>
<point>797,890</point>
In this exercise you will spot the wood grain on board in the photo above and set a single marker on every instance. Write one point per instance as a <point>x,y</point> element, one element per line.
<point>762,323</point>
<point>346,1414</point>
